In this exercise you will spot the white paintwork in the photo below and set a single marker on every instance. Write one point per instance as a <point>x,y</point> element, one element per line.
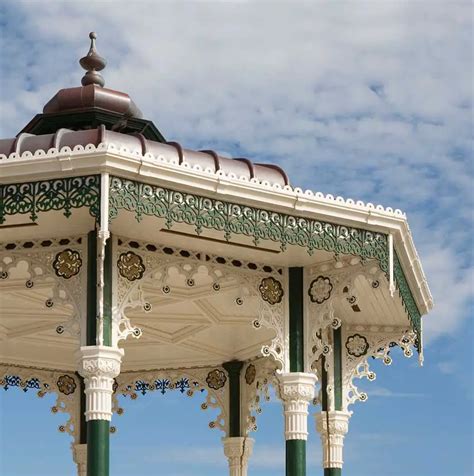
<point>99,365</point>
<point>297,391</point>
<point>238,451</point>
<point>332,427</point>
<point>79,455</point>
<point>156,170</point>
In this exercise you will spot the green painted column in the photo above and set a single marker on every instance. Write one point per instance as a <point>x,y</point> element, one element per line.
<point>98,431</point>
<point>296,448</point>
<point>233,369</point>
<point>334,418</point>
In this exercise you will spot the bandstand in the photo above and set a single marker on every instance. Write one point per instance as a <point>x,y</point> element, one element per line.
<point>130,264</point>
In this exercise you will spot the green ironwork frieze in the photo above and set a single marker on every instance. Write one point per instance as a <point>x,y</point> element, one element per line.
<point>235,219</point>
<point>62,194</point>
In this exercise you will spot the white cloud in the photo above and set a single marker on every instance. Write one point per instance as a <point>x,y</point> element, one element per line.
<point>369,103</point>
<point>385,392</point>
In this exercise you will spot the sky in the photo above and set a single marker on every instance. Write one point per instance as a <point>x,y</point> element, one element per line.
<point>367,100</point>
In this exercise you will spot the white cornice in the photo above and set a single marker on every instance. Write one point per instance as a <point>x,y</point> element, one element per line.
<point>158,171</point>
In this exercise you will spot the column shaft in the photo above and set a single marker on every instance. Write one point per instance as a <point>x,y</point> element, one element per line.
<point>98,447</point>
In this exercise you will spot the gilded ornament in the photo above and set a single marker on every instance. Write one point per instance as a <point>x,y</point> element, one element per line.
<point>66,264</point>
<point>66,384</point>
<point>250,374</point>
<point>357,345</point>
<point>130,266</point>
<point>271,290</point>
<point>216,379</point>
<point>320,289</point>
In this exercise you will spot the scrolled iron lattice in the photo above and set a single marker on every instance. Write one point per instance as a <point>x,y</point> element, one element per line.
<point>46,195</point>
<point>232,218</point>
<point>186,381</point>
<point>65,385</point>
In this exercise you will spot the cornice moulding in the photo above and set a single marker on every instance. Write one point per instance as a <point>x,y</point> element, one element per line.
<point>156,171</point>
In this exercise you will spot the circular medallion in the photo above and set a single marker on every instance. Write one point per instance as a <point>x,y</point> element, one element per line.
<point>67,263</point>
<point>271,290</point>
<point>250,374</point>
<point>130,266</point>
<point>320,289</point>
<point>66,384</point>
<point>357,345</point>
<point>216,379</point>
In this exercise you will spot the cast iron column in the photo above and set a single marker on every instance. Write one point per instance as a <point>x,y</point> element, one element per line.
<point>237,447</point>
<point>296,387</point>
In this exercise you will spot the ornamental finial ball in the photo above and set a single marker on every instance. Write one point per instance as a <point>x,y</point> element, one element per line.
<point>93,63</point>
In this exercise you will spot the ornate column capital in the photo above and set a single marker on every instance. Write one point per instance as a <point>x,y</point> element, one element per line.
<point>79,455</point>
<point>332,427</point>
<point>238,450</point>
<point>296,391</point>
<point>99,365</point>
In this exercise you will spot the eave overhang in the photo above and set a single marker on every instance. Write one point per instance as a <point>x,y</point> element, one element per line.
<point>157,171</point>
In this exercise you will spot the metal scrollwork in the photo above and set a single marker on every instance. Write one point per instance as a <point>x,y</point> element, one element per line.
<point>320,289</point>
<point>66,384</point>
<point>271,290</point>
<point>216,379</point>
<point>67,263</point>
<point>250,374</point>
<point>357,345</point>
<point>130,266</point>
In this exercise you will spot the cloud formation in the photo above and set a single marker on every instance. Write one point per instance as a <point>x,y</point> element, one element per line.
<point>371,101</point>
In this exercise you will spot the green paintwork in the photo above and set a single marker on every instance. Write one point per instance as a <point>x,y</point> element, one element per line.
<point>233,218</point>
<point>108,269</point>
<point>98,432</point>
<point>295,458</point>
<point>338,368</point>
<point>407,298</point>
<point>46,195</point>
<point>296,337</point>
<point>205,213</point>
<point>233,369</point>
<point>324,384</point>
<point>332,472</point>
<point>91,287</point>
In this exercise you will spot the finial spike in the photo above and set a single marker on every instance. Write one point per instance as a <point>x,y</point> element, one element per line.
<point>93,63</point>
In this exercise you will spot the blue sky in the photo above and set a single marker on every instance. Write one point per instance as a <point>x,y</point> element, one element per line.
<point>368,100</point>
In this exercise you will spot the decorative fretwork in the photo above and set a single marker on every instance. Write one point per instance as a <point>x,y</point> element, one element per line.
<point>235,219</point>
<point>216,379</point>
<point>260,376</point>
<point>320,289</point>
<point>186,381</point>
<point>40,256</point>
<point>407,299</point>
<point>375,342</point>
<point>63,384</point>
<point>67,263</point>
<point>62,194</point>
<point>205,273</point>
<point>271,290</point>
<point>130,266</point>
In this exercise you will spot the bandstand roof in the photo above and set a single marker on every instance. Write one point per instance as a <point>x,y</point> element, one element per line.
<point>258,219</point>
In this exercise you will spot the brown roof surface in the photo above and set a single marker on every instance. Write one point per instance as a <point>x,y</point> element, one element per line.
<point>172,151</point>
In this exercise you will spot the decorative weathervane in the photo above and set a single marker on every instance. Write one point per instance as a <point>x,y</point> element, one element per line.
<point>93,63</point>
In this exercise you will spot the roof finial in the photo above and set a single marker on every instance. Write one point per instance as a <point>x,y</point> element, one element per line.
<point>93,63</point>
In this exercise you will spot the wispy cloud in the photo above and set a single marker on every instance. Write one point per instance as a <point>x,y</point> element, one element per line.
<point>385,392</point>
<point>369,103</point>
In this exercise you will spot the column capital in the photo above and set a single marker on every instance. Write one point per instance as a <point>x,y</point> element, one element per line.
<point>297,386</point>
<point>99,365</point>
<point>238,450</point>
<point>296,391</point>
<point>333,426</point>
